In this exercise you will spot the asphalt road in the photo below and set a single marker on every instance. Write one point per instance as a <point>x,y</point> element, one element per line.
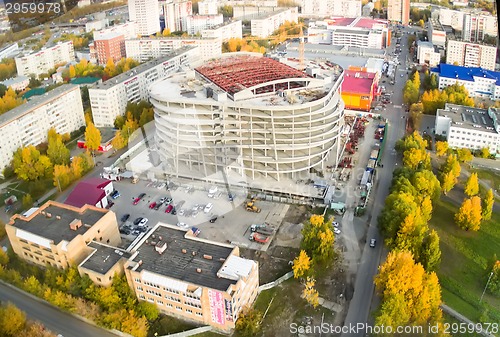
<point>361,302</point>
<point>55,320</point>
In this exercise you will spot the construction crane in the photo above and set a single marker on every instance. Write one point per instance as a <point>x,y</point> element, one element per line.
<point>300,36</point>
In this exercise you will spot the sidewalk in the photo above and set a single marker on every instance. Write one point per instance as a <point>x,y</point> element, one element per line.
<point>463,319</point>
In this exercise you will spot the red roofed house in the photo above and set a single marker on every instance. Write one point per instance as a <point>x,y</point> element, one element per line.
<point>359,89</point>
<point>93,191</point>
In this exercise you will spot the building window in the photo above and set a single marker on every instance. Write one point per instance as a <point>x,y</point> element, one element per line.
<point>178,308</point>
<point>141,296</point>
<point>189,311</point>
<point>199,314</point>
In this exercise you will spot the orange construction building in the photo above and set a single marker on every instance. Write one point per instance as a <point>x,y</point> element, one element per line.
<point>359,89</point>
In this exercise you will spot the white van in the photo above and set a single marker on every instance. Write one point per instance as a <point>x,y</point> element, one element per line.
<point>208,207</point>
<point>212,191</point>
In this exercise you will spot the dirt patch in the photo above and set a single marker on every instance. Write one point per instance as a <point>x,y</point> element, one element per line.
<point>297,214</point>
<point>273,263</point>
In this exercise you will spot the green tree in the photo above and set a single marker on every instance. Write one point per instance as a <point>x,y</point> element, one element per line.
<point>410,93</point>
<point>426,184</point>
<point>248,323</point>
<point>301,264</point>
<point>430,256</point>
<point>147,116</point>
<point>27,201</point>
<point>57,152</point>
<point>30,165</point>
<point>494,284</point>
<point>318,239</point>
<point>441,148</point>
<point>148,310</point>
<point>469,215</point>
<point>488,202</point>
<point>472,185</point>
<point>92,137</point>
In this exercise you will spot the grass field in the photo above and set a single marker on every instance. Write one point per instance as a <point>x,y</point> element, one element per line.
<point>465,263</point>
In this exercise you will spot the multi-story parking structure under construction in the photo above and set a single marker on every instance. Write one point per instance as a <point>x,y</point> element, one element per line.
<point>251,115</point>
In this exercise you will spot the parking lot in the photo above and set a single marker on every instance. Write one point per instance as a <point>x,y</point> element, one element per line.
<point>233,220</point>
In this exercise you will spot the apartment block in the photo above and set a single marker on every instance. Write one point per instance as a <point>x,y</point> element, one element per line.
<point>57,234</point>
<point>127,29</point>
<point>109,99</point>
<point>472,128</point>
<point>471,54</point>
<point>174,12</point>
<point>225,31</point>
<point>268,23</point>
<point>198,280</point>
<point>437,33</point>
<point>29,123</point>
<point>9,50</point>
<point>252,12</point>
<point>346,8</point>
<point>428,54</point>
<point>474,27</point>
<point>46,59</point>
<point>146,14</point>
<point>146,49</point>
<point>399,11</point>
<point>194,24</point>
<point>110,46</point>
<point>208,7</point>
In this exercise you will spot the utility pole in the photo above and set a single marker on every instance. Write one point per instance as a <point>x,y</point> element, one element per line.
<point>486,286</point>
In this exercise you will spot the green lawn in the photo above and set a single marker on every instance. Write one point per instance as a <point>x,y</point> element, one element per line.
<point>491,176</point>
<point>464,267</point>
<point>166,325</point>
<point>455,324</point>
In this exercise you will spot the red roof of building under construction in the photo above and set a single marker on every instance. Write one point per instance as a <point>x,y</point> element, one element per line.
<point>235,73</point>
<point>359,82</point>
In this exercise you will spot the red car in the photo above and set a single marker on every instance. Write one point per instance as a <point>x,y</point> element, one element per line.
<point>169,209</point>
<point>139,198</point>
<point>152,205</point>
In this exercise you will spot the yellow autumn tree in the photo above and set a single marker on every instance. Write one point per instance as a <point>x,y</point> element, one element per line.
<point>118,142</point>
<point>309,293</point>
<point>448,181</point>
<point>62,176</point>
<point>488,202</point>
<point>469,214</point>
<point>472,185</point>
<point>301,264</point>
<point>410,296</point>
<point>441,148</point>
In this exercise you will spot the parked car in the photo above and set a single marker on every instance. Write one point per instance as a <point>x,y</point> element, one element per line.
<point>174,211</point>
<point>169,201</point>
<point>262,229</point>
<point>125,217</point>
<point>182,225</point>
<point>163,199</point>
<point>143,222</point>
<point>152,205</point>
<point>208,207</point>
<point>136,221</point>
<point>169,209</point>
<point>181,212</point>
<point>373,242</point>
<point>213,219</point>
<point>196,231</point>
<point>335,224</point>
<point>158,205</point>
<point>336,230</point>
<point>162,185</point>
<point>139,198</point>
<point>115,194</point>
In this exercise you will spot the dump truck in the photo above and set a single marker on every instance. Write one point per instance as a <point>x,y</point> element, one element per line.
<point>259,238</point>
<point>250,207</point>
<point>261,229</point>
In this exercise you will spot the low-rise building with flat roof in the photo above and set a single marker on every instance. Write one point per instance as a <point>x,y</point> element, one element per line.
<point>359,89</point>
<point>194,279</point>
<point>467,127</point>
<point>58,234</point>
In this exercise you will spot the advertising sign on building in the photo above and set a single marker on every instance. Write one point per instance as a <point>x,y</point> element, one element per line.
<point>229,310</point>
<point>217,310</point>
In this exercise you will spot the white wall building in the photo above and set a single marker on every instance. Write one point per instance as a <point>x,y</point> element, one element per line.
<point>427,54</point>
<point>437,34</point>
<point>146,49</point>
<point>196,23</point>
<point>466,127</point>
<point>17,83</point>
<point>174,12</point>
<point>476,26</point>
<point>95,25</point>
<point>322,8</point>
<point>42,61</point>
<point>224,32</point>
<point>146,13</point>
<point>29,123</point>
<point>479,82</point>
<point>127,29</point>
<point>352,32</point>
<point>9,50</point>
<point>109,99</point>
<point>346,8</point>
<point>266,24</point>
<point>208,7</point>
<point>471,54</point>
<point>251,121</point>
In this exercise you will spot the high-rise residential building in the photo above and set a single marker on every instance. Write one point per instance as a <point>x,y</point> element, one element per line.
<point>127,29</point>
<point>473,28</point>
<point>44,60</point>
<point>268,23</point>
<point>208,7</point>
<point>146,49</point>
<point>226,31</point>
<point>29,123</point>
<point>146,13</point>
<point>457,18</point>
<point>469,54</point>
<point>194,24</point>
<point>174,12</point>
<point>110,46</point>
<point>345,8</point>
<point>109,99</point>
<point>399,11</point>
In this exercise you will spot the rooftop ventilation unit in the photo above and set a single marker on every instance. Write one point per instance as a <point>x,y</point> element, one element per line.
<point>161,247</point>
<point>463,117</point>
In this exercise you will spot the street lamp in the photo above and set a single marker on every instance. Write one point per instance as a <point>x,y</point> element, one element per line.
<point>486,286</point>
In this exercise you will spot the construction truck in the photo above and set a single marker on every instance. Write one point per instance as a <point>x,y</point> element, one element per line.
<point>259,238</point>
<point>261,229</point>
<point>250,207</point>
